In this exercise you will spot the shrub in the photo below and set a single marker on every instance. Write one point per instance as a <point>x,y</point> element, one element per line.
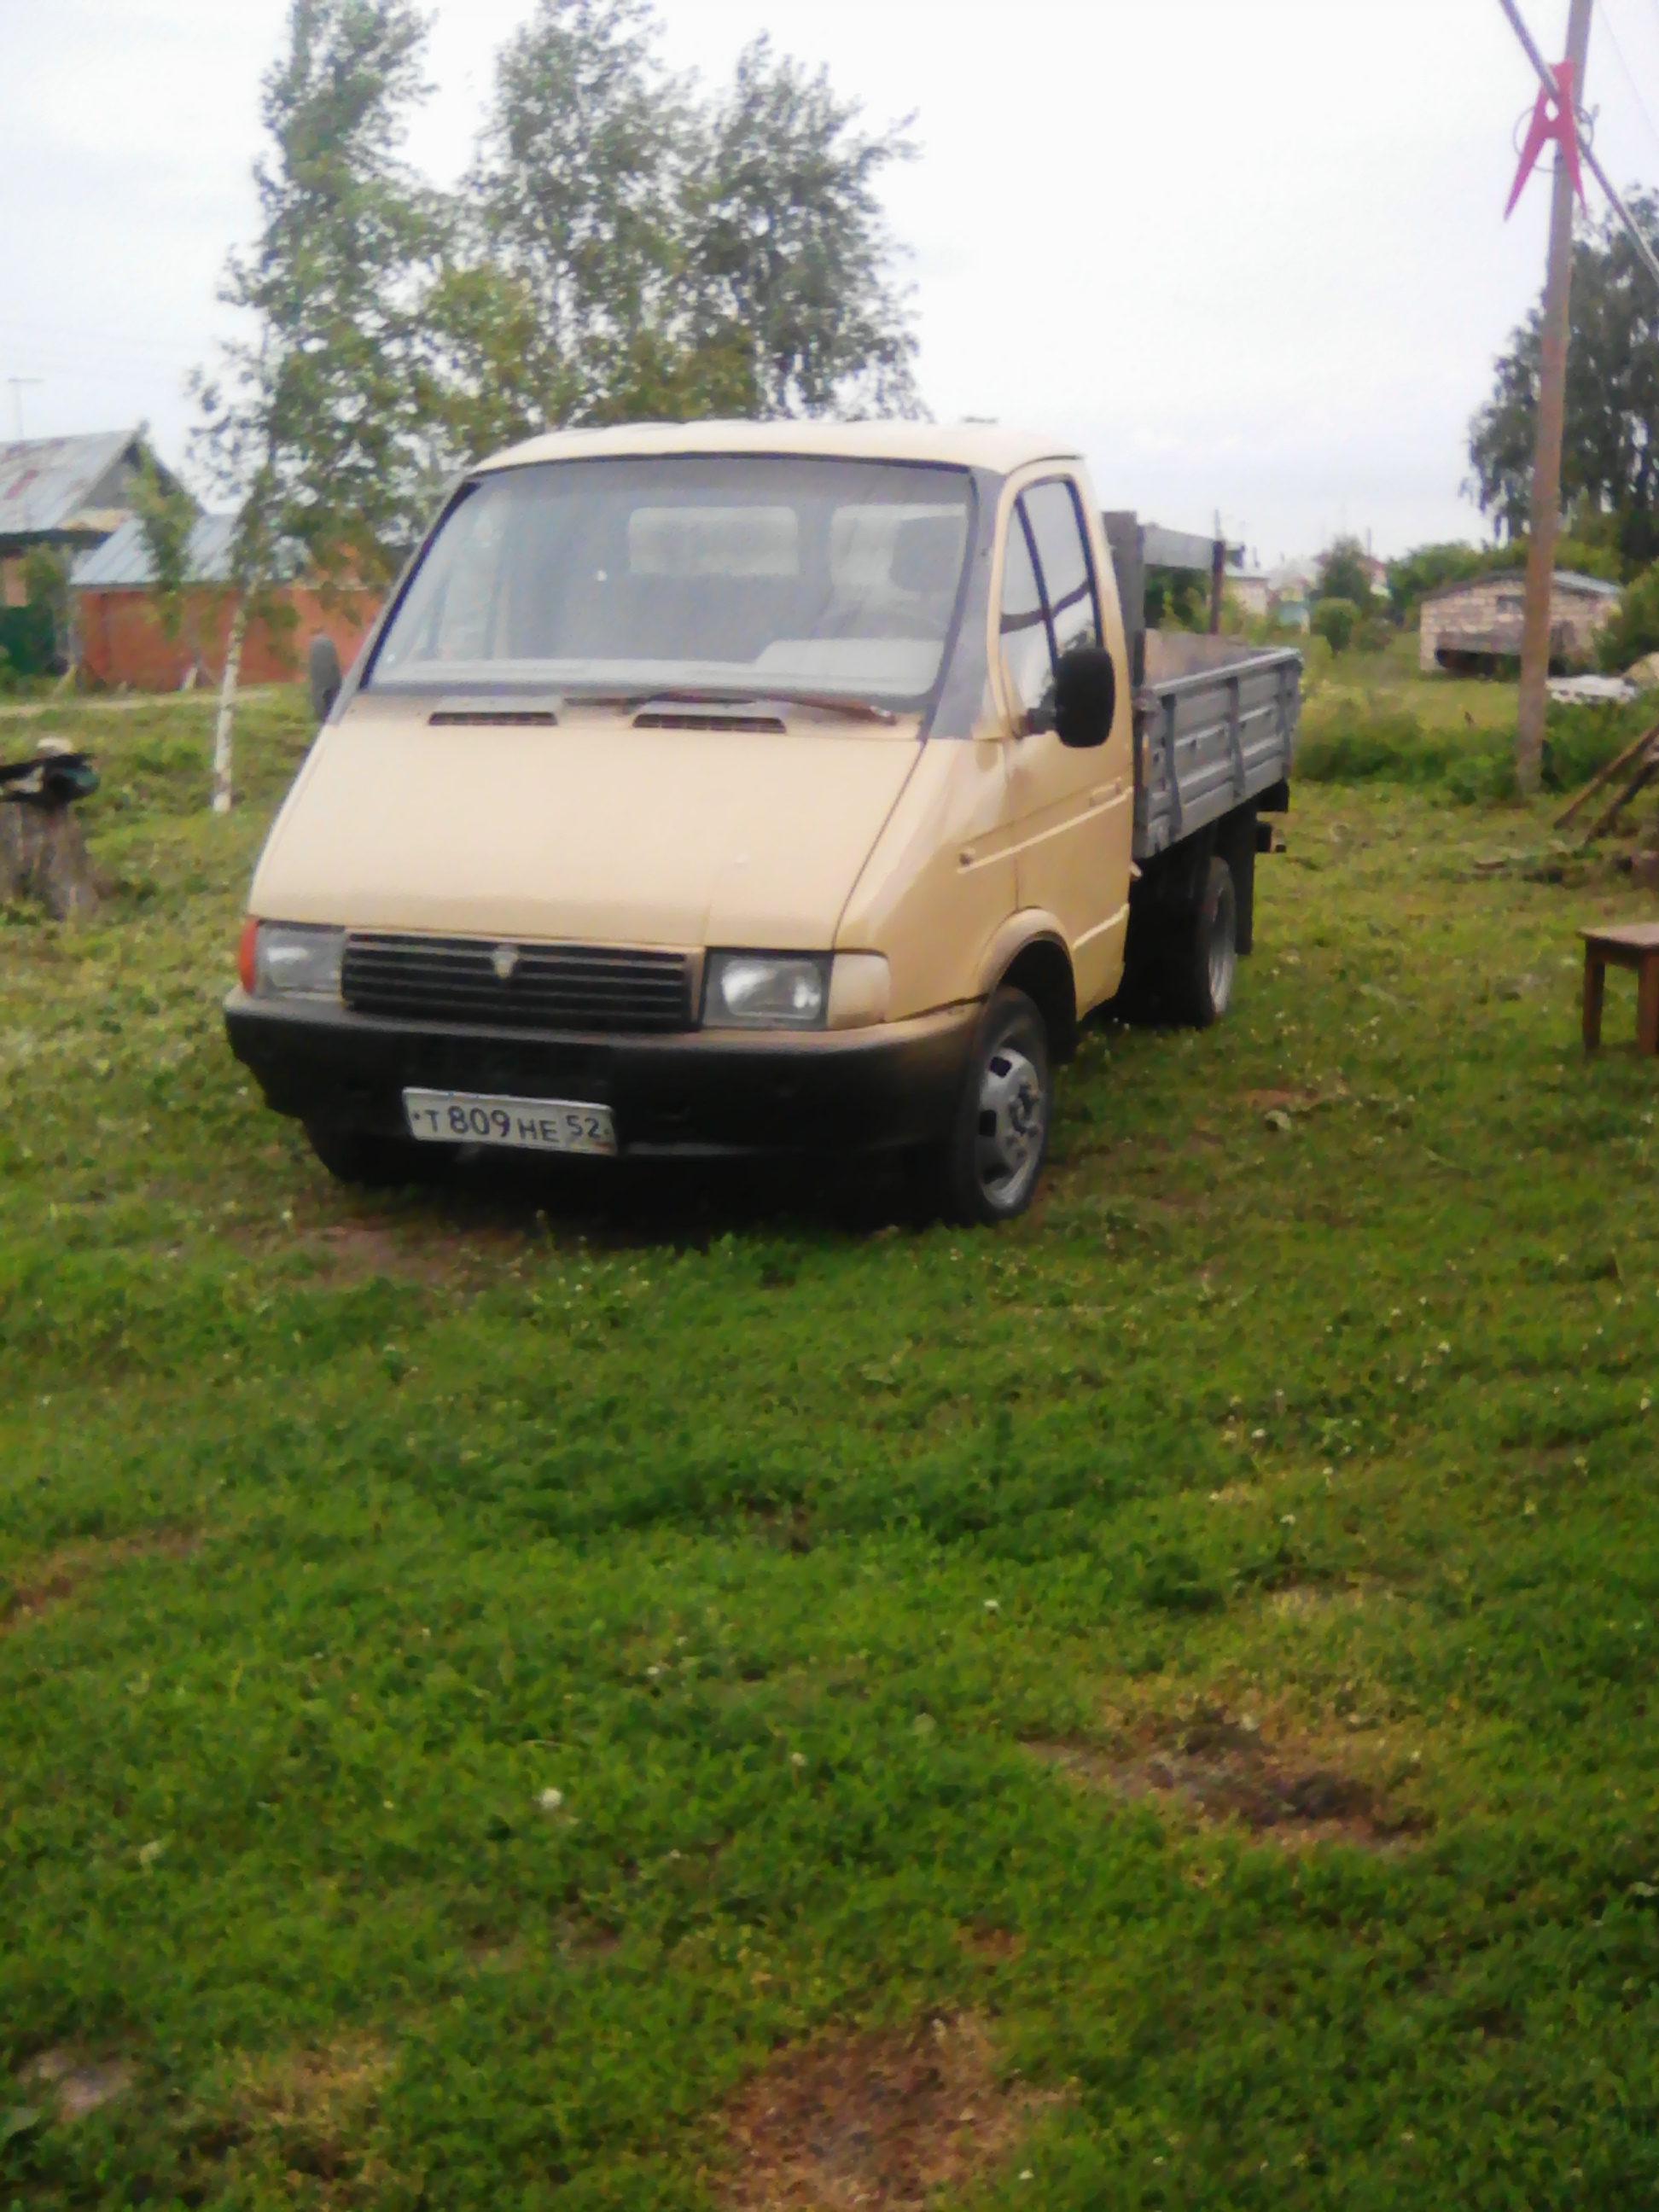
<point>1633,633</point>
<point>1355,745</point>
<point>1335,620</point>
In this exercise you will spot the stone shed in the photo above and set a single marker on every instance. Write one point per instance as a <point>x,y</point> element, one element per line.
<point>1473,628</point>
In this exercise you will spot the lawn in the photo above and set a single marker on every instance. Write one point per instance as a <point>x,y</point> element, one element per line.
<point>664,1693</point>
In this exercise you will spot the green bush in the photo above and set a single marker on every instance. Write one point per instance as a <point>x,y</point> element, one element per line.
<point>1355,745</point>
<point>27,639</point>
<point>1633,633</point>
<point>1335,621</point>
<point>1372,633</point>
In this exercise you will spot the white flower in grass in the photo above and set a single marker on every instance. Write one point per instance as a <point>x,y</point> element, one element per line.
<point>550,1800</point>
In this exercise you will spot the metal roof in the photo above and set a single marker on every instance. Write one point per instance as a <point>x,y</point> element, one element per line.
<point>1570,579</point>
<point>122,561</point>
<point>44,482</point>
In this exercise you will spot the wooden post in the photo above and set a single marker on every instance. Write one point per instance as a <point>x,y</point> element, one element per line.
<point>1218,579</point>
<point>1546,460</point>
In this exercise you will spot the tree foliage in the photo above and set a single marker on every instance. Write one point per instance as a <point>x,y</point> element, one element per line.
<point>786,245</point>
<point>166,517</point>
<point>1342,573</point>
<point>1610,452</point>
<point>625,248</point>
<point>1633,633</point>
<point>1423,569</point>
<point>316,424</point>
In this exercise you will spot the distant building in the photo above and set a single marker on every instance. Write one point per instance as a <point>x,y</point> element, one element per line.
<point>68,493</point>
<point>1473,628</point>
<point>1251,591</point>
<point>121,642</point>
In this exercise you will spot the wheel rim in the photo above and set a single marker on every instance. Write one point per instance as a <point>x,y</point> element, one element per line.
<point>1224,958</point>
<point>1013,1119</point>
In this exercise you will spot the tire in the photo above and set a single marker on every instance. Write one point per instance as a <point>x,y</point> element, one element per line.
<point>987,1169</point>
<point>374,1162</point>
<point>1202,955</point>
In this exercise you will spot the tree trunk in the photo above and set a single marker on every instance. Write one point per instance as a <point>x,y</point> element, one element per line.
<point>227,706</point>
<point>43,857</point>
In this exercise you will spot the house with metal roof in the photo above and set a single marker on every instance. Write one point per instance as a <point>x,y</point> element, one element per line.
<point>68,494</point>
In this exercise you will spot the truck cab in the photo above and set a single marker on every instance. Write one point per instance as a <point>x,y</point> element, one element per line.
<point>715,788</point>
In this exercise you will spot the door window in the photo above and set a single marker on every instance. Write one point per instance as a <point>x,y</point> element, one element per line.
<point>1049,604</point>
<point>1062,553</point>
<point>1025,647</point>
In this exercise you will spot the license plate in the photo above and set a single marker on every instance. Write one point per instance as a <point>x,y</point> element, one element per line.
<point>529,1125</point>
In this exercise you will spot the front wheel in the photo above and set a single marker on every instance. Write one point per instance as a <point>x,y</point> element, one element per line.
<point>987,1169</point>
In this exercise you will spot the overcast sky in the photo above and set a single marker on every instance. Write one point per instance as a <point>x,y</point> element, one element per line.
<point>1250,252</point>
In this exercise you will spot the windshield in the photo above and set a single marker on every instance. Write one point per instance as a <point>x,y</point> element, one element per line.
<point>738,574</point>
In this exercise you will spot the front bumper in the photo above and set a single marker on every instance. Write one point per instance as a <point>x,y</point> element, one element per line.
<point>699,1091</point>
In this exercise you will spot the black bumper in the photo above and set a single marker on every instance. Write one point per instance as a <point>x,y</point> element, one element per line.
<point>856,1090</point>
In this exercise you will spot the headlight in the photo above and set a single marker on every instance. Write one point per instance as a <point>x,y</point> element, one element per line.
<point>766,991</point>
<point>292,960</point>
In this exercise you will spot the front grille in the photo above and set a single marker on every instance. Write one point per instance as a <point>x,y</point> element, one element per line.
<point>550,986</point>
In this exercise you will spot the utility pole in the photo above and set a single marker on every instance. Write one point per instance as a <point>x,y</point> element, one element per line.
<point>1546,461</point>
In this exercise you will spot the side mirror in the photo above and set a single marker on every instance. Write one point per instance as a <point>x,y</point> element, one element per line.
<point>1085,697</point>
<point>323,668</point>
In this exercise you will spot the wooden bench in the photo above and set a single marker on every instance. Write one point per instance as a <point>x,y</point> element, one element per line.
<point>1631,945</point>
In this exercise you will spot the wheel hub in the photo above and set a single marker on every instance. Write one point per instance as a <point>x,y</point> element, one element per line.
<point>1012,1120</point>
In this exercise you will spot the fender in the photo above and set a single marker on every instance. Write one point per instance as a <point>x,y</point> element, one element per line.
<point>1029,951</point>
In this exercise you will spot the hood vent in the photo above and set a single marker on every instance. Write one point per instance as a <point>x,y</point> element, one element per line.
<point>672,716</point>
<point>496,715</point>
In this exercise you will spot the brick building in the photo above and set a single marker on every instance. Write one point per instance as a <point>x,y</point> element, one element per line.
<point>120,638</point>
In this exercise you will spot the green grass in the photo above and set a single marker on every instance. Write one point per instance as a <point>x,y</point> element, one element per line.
<point>774,1532</point>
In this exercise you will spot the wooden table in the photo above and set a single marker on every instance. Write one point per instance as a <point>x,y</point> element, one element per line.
<point>1630,944</point>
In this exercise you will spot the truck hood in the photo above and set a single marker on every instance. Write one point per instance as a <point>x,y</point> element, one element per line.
<point>591,830</point>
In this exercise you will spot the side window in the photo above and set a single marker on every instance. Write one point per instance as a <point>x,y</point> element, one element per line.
<point>1063,552</point>
<point>1025,647</point>
<point>1049,603</point>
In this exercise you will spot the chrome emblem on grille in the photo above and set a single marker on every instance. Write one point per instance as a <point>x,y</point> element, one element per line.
<point>504,959</point>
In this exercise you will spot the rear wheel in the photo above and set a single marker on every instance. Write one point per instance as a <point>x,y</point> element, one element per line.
<point>375,1162</point>
<point>987,1168</point>
<point>1202,955</point>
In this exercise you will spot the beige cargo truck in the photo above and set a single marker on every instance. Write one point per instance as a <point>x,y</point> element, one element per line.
<point>748,787</point>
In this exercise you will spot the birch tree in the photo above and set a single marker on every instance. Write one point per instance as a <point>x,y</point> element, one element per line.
<point>316,424</point>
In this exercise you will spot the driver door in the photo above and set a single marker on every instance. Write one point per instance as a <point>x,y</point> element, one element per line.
<point>1073,812</point>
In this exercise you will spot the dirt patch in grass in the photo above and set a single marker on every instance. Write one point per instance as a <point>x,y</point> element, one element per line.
<point>1219,1769</point>
<point>75,2084</point>
<point>26,1593</point>
<point>876,2122</point>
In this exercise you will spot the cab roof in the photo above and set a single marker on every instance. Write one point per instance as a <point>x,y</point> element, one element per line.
<point>965,445</point>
